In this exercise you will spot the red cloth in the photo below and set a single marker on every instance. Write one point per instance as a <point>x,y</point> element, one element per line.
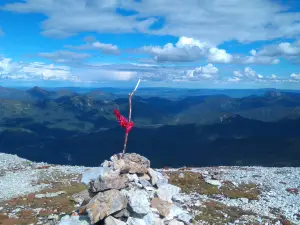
<point>123,121</point>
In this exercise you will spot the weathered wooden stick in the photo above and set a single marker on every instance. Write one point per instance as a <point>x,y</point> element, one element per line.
<point>130,111</point>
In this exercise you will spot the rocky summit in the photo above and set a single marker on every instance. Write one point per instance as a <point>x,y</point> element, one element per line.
<point>125,190</point>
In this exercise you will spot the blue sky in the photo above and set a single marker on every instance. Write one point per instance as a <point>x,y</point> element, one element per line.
<point>173,43</point>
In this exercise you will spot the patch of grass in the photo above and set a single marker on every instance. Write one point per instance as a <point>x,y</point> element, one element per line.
<point>61,204</point>
<point>194,182</point>
<point>216,213</point>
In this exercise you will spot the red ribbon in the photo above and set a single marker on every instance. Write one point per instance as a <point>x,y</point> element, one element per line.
<point>123,121</point>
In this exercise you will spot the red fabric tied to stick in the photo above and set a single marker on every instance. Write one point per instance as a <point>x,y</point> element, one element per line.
<point>123,121</point>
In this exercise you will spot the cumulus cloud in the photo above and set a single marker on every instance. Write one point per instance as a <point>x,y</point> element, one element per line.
<point>295,76</point>
<point>281,49</point>
<point>98,72</point>
<point>33,71</point>
<point>247,73</point>
<point>287,50</point>
<point>64,56</point>
<point>250,75</point>
<point>213,20</point>
<point>92,44</point>
<point>203,72</point>
<point>255,58</point>
<point>187,49</point>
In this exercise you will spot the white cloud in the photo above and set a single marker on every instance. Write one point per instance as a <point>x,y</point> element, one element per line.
<point>234,79</point>
<point>258,59</point>
<point>248,73</point>
<point>295,76</point>
<point>281,49</point>
<point>213,20</point>
<point>203,72</point>
<point>188,49</point>
<point>64,56</point>
<point>273,76</point>
<point>287,50</point>
<point>92,44</point>
<point>219,56</point>
<point>33,71</point>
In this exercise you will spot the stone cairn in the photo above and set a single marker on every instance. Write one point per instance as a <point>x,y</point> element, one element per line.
<point>126,191</point>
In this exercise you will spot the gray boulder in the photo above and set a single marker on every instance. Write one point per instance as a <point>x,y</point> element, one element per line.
<point>93,174</point>
<point>105,204</point>
<point>131,163</point>
<point>163,207</point>
<point>138,201</point>
<point>153,219</point>
<point>113,221</point>
<point>175,222</point>
<point>145,183</point>
<point>184,217</point>
<point>167,191</point>
<point>135,221</point>
<point>157,178</point>
<point>110,180</point>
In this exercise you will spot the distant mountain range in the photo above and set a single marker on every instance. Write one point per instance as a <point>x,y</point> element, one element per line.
<point>63,126</point>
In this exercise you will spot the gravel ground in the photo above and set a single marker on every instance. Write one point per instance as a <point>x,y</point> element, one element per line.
<point>275,183</point>
<point>19,177</point>
<point>280,186</point>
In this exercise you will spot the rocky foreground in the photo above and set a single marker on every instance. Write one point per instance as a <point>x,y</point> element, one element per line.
<point>127,191</point>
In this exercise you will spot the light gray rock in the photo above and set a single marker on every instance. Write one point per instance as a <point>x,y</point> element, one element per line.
<point>184,217</point>
<point>145,183</point>
<point>163,207</point>
<point>73,220</point>
<point>174,212</point>
<point>109,180</point>
<point>175,222</point>
<point>93,174</point>
<point>106,163</point>
<point>149,188</point>
<point>135,221</point>
<point>167,191</point>
<point>50,195</point>
<point>244,200</point>
<point>181,176</point>
<point>213,182</point>
<point>113,221</point>
<point>152,219</point>
<point>138,201</point>
<point>81,198</point>
<point>133,177</point>
<point>105,204</point>
<point>131,163</point>
<point>157,178</point>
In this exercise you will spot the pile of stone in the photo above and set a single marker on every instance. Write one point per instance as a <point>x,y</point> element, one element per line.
<point>125,190</point>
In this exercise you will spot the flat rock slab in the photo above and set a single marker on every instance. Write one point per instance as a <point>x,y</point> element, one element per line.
<point>112,180</point>
<point>163,207</point>
<point>167,191</point>
<point>105,204</point>
<point>131,163</point>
